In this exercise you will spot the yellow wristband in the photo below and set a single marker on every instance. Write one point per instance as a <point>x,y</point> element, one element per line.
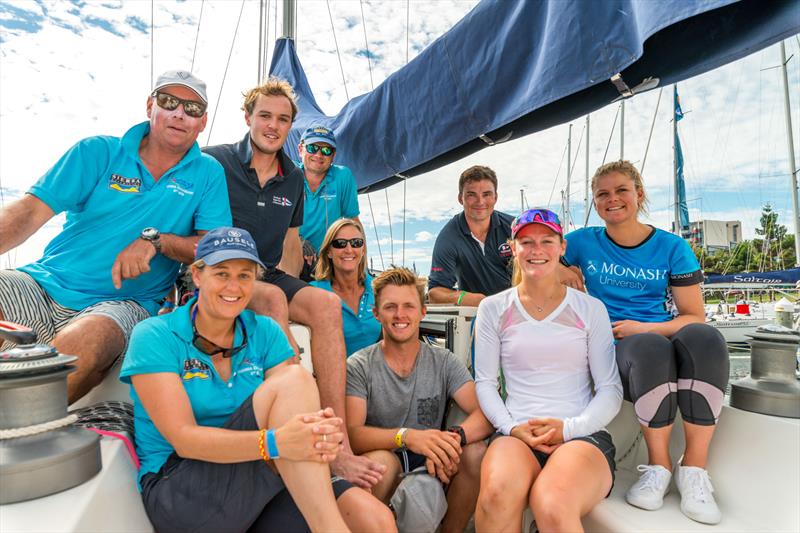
<point>399,438</point>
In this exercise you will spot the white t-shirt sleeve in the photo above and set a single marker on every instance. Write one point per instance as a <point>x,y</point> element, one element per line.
<point>605,404</point>
<point>487,366</point>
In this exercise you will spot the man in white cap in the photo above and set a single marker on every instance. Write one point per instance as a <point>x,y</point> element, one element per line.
<point>135,206</point>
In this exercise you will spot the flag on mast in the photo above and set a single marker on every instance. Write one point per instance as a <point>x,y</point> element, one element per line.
<point>679,183</point>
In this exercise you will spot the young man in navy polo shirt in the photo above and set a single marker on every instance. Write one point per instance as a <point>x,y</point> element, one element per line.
<point>472,249</point>
<point>266,195</point>
<point>135,206</point>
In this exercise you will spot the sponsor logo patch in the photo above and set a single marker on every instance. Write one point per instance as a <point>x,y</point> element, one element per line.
<point>195,369</point>
<point>281,200</point>
<point>180,187</point>
<point>123,184</point>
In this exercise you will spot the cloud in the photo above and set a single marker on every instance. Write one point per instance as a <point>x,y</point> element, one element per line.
<point>424,236</point>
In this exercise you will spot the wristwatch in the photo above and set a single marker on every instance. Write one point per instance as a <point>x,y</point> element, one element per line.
<point>460,432</point>
<point>153,236</point>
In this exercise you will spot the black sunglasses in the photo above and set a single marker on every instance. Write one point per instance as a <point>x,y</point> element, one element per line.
<point>190,107</point>
<point>314,148</point>
<point>211,348</point>
<point>342,243</point>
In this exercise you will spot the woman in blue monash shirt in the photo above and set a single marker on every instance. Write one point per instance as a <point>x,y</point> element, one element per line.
<point>668,358</point>
<point>230,434</point>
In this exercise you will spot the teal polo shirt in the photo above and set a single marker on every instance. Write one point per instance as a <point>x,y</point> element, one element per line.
<point>335,198</point>
<point>164,344</point>
<point>360,327</point>
<point>109,197</point>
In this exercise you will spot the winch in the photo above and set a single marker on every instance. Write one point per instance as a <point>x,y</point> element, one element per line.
<point>41,452</point>
<point>772,388</point>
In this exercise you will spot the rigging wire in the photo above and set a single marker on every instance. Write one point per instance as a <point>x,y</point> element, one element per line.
<point>338,54</point>
<point>555,181</point>
<point>225,74</point>
<point>266,48</point>
<point>260,40</point>
<point>197,35</point>
<point>652,127</point>
<point>375,227</point>
<point>152,39</point>
<point>608,145</point>
<point>408,8</point>
<point>372,87</point>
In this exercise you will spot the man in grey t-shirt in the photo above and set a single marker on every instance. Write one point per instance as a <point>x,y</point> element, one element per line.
<point>397,394</point>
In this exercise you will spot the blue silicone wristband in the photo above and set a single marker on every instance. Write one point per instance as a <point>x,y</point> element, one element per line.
<point>272,446</point>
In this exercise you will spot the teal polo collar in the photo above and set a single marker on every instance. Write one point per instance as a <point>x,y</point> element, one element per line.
<point>133,139</point>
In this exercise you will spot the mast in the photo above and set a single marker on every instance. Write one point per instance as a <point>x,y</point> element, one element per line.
<point>622,131</point>
<point>675,161</point>
<point>792,166</point>
<point>586,190</point>
<point>289,19</point>
<point>569,178</point>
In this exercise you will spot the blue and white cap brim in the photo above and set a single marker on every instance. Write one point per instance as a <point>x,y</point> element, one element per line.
<point>311,139</point>
<point>215,258</point>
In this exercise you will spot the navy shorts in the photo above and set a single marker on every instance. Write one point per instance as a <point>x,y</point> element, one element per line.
<point>409,460</point>
<point>600,439</point>
<point>191,495</point>
<point>289,284</point>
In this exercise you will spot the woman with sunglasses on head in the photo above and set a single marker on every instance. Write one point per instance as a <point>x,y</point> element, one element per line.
<point>342,269</point>
<point>230,435</point>
<point>555,349</point>
<point>668,358</point>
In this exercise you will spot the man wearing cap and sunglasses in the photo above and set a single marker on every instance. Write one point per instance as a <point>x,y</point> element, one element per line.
<point>266,195</point>
<point>135,206</point>
<point>330,190</point>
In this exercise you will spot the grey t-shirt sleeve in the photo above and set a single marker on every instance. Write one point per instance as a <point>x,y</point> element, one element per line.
<point>457,374</point>
<point>357,365</point>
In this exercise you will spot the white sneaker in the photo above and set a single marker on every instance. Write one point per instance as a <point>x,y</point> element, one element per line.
<point>648,492</point>
<point>697,498</point>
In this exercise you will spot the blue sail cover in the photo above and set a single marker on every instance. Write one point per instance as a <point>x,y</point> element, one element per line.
<point>511,68</point>
<point>774,277</point>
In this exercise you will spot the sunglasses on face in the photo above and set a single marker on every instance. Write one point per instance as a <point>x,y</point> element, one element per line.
<point>190,107</point>
<point>342,243</point>
<point>324,150</point>
<point>536,215</point>
<point>211,348</point>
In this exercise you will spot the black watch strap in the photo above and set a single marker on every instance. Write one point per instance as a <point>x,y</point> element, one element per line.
<point>460,431</point>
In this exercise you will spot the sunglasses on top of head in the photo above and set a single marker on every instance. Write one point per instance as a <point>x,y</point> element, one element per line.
<point>342,243</point>
<point>168,102</point>
<point>324,150</point>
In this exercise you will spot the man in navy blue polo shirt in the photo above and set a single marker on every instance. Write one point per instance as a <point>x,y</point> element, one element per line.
<point>134,207</point>
<point>471,256</point>
<point>266,195</point>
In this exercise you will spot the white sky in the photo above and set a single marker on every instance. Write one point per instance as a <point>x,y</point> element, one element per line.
<point>69,70</point>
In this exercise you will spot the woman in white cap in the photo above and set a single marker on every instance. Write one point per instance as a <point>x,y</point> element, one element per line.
<point>556,352</point>
<point>231,436</point>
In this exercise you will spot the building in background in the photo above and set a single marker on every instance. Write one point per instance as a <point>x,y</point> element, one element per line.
<point>714,235</point>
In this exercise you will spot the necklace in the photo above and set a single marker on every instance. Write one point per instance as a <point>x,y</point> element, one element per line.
<point>540,308</point>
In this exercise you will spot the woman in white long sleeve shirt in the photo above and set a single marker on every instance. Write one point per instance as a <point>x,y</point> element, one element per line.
<point>556,351</point>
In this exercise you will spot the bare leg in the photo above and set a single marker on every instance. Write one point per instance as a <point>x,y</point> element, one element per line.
<point>657,440</point>
<point>364,512</point>
<point>574,480</point>
<point>698,439</point>
<point>507,472</point>
<point>97,341</point>
<point>269,300</point>
<point>288,392</point>
<point>463,492</point>
<point>384,488</point>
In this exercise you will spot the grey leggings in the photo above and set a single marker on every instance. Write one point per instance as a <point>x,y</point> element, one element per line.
<point>687,371</point>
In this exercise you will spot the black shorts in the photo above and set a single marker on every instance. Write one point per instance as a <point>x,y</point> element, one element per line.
<point>191,495</point>
<point>600,439</point>
<point>289,284</point>
<point>409,460</point>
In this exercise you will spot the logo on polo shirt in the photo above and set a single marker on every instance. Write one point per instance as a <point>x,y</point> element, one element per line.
<point>251,368</point>
<point>504,250</point>
<point>195,369</point>
<point>123,184</point>
<point>180,187</point>
<point>281,200</point>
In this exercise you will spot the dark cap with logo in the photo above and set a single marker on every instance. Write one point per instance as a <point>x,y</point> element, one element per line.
<point>224,244</point>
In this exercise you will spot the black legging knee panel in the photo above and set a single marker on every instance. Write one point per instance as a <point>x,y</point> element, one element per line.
<point>688,371</point>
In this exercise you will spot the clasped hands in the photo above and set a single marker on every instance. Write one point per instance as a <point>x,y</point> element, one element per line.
<point>542,434</point>
<point>442,450</point>
<point>310,437</point>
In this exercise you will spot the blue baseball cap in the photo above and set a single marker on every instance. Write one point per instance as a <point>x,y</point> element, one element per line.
<point>224,244</point>
<point>319,134</point>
